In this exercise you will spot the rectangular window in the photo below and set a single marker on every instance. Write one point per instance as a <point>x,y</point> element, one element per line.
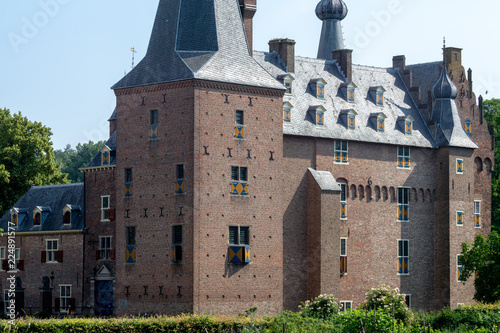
<point>179,174</point>
<point>2,252</point>
<point>177,243</point>
<point>52,246</point>
<point>403,204</point>
<point>403,256</point>
<point>460,218</point>
<point>343,255</point>
<point>460,166</point>
<point>239,236</point>
<point>320,91</point>
<point>341,151</point>
<point>287,117</point>
<point>343,201</point>
<point>153,117</point>
<point>130,235</point>
<point>128,182</point>
<point>345,306</point>
<point>477,214</point>
<point>105,247</point>
<point>239,179</point>
<point>105,205</point>
<point>408,300</point>
<point>460,267</point>
<point>6,300</point>
<point>288,86</point>
<point>240,124</point>
<point>65,298</point>
<point>404,157</point>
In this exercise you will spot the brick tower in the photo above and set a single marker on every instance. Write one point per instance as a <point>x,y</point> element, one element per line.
<point>199,149</point>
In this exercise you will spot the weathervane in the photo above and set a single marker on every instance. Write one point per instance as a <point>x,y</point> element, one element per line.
<point>133,55</point>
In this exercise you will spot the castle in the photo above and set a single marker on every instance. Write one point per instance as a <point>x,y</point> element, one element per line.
<point>235,179</point>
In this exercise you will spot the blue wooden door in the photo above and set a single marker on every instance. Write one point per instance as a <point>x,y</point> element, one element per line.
<point>104,298</point>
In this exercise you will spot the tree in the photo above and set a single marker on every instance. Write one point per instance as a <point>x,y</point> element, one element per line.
<point>26,157</point>
<point>492,116</point>
<point>483,261</point>
<point>72,160</point>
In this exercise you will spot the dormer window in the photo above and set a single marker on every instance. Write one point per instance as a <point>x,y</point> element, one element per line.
<point>287,80</point>
<point>69,213</point>
<point>40,214</point>
<point>105,155</point>
<point>287,112</point>
<point>351,119</point>
<point>349,91</point>
<point>14,217</point>
<point>377,94</point>
<point>377,120</point>
<point>347,118</point>
<point>409,125</point>
<point>318,88</point>
<point>317,115</point>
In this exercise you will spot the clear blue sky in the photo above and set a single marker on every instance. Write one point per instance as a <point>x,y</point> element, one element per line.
<point>60,57</point>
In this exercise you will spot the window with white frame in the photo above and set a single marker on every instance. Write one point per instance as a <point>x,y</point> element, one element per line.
<point>65,298</point>
<point>403,256</point>
<point>105,205</point>
<point>52,246</point>
<point>105,247</point>
<point>345,306</point>
<point>239,180</point>
<point>404,157</point>
<point>403,204</point>
<point>477,214</point>
<point>7,294</point>
<point>341,151</point>
<point>343,255</point>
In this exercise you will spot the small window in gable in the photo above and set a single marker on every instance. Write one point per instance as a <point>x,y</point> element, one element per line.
<point>409,125</point>
<point>40,214</point>
<point>287,112</point>
<point>377,121</point>
<point>287,80</point>
<point>69,213</point>
<point>317,115</point>
<point>377,94</point>
<point>105,156</point>
<point>347,118</point>
<point>349,91</point>
<point>318,88</point>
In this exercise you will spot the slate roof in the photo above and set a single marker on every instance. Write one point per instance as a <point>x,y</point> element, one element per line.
<point>425,76</point>
<point>111,144</point>
<point>52,199</point>
<point>325,180</point>
<point>398,103</point>
<point>198,39</point>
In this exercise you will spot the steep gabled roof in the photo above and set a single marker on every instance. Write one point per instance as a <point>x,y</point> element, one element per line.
<point>201,40</point>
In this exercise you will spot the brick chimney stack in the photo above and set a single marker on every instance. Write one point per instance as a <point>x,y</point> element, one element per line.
<point>344,59</point>
<point>248,9</point>
<point>286,50</point>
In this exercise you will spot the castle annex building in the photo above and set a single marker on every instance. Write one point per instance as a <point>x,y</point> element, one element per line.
<point>235,179</point>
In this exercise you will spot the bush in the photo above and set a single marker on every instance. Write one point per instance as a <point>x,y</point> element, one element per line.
<point>368,321</point>
<point>322,307</point>
<point>389,301</point>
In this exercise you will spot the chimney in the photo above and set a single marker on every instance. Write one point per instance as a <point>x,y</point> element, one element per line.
<point>248,9</point>
<point>399,62</point>
<point>344,60</point>
<point>285,48</point>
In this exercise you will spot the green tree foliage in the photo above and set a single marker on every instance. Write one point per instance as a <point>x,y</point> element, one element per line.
<point>73,159</point>
<point>484,258</point>
<point>492,116</point>
<point>26,157</point>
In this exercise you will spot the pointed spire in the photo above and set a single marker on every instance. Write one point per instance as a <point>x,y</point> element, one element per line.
<point>331,12</point>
